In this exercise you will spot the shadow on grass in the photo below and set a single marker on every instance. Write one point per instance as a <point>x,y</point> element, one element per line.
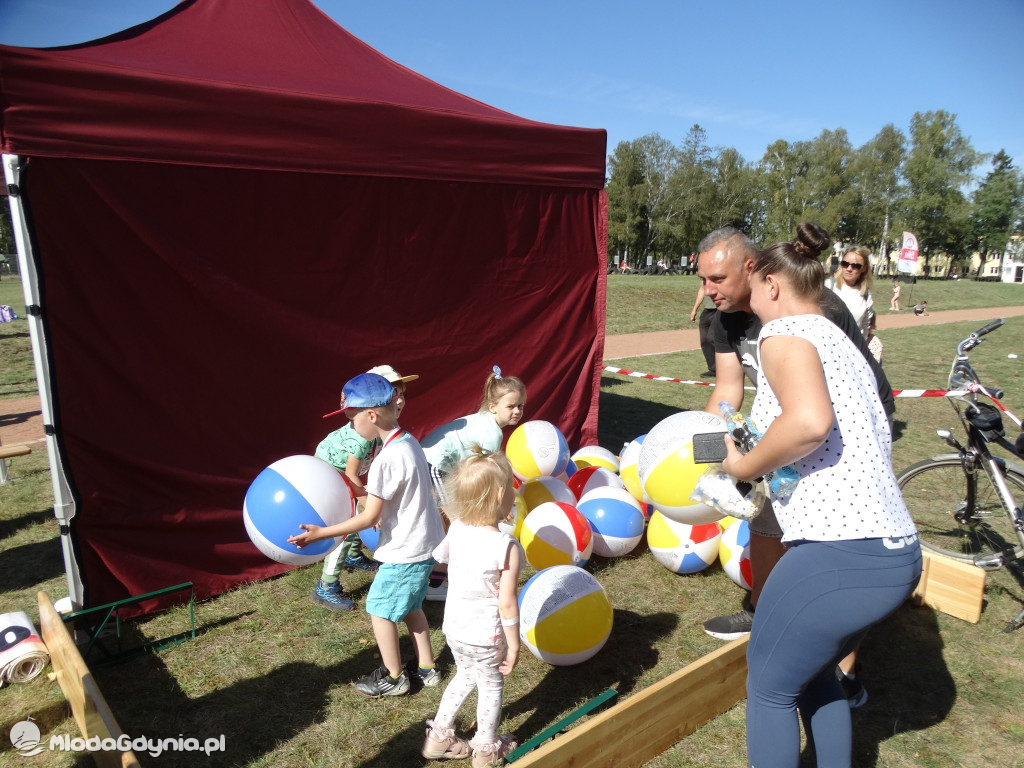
<point>31,564</point>
<point>909,686</point>
<point>256,714</point>
<point>10,527</point>
<point>626,656</point>
<point>628,417</point>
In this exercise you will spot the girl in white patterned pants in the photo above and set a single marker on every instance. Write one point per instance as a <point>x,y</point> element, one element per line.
<point>481,615</point>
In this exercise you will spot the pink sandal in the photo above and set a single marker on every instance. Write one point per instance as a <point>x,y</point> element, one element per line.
<point>496,755</point>
<point>449,748</point>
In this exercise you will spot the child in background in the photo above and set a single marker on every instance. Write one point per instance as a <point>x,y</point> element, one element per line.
<point>481,616</point>
<point>399,500</point>
<point>502,406</point>
<point>874,343</point>
<point>921,310</point>
<point>347,452</point>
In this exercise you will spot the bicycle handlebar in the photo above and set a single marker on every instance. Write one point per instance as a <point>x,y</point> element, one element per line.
<point>990,327</point>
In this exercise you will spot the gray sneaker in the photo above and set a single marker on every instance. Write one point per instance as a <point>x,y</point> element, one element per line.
<point>730,627</point>
<point>429,678</point>
<point>378,683</point>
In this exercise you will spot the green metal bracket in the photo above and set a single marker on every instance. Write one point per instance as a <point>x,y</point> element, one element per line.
<point>561,725</point>
<point>112,610</point>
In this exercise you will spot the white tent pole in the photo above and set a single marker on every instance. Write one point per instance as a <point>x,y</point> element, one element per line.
<point>63,501</point>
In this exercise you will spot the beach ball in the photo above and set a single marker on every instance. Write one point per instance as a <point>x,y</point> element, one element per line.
<point>370,538</point>
<point>537,448</point>
<point>667,471</point>
<point>734,552</point>
<point>680,547</point>
<point>595,456</point>
<point>291,491</point>
<point>616,519</point>
<point>543,489</point>
<point>565,616</point>
<point>589,478</point>
<point>556,534</point>
<point>513,526</point>
<point>629,470</point>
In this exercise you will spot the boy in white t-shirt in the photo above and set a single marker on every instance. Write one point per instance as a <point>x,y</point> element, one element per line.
<point>399,498</point>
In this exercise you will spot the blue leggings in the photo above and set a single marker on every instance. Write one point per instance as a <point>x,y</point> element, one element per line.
<point>816,607</point>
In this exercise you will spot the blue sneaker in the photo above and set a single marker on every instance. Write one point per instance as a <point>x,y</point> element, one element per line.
<point>331,596</point>
<point>360,561</point>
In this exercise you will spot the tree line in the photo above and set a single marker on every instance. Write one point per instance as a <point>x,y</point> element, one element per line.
<point>663,198</point>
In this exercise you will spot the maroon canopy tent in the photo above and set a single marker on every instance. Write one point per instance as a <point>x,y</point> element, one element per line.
<point>234,208</point>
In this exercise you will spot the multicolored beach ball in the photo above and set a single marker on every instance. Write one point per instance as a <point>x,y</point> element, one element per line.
<point>565,616</point>
<point>680,547</point>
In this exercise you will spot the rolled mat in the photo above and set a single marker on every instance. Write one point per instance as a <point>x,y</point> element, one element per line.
<point>22,653</point>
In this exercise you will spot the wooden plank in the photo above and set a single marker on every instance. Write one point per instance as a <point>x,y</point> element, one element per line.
<point>90,710</point>
<point>951,586</point>
<point>643,726</point>
<point>9,451</point>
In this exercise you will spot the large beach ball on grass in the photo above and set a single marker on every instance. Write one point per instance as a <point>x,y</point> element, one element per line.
<point>542,489</point>
<point>292,491</point>
<point>668,472</point>
<point>537,448</point>
<point>629,469</point>
<point>595,456</point>
<point>565,616</point>
<point>734,552</point>
<point>589,478</point>
<point>680,547</point>
<point>556,534</point>
<point>616,519</point>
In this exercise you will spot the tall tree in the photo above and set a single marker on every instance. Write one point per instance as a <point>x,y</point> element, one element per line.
<point>997,206</point>
<point>877,189</point>
<point>938,168</point>
<point>638,189</point>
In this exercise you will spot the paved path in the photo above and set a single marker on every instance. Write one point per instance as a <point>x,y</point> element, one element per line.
<point>22,422</point>
<point>663,342</point>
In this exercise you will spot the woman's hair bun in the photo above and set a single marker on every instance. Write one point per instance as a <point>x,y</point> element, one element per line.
<point>811,240</point>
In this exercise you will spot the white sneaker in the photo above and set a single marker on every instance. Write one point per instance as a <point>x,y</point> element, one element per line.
<point>438,593</point>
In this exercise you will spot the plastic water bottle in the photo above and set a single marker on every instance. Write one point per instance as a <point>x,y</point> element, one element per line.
<point>743,431</point>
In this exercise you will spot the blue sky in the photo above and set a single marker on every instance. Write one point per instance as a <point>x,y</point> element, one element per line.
<point>748,71</point>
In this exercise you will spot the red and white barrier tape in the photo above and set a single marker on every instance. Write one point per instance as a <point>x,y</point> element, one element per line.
<point>895,392</point>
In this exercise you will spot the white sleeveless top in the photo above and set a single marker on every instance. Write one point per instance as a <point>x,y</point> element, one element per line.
<point>847,488</point>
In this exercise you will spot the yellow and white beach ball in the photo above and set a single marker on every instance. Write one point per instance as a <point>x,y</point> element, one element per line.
<point>537,448</point>
<point>565,616</point>
<point>667,470</point>
<point>556,534</point>
<point>595,456</point>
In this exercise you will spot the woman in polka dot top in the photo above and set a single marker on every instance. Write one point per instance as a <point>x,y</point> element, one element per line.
<point>853,554</point>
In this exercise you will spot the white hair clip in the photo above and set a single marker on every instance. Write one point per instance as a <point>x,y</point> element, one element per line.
<point>497,372</point>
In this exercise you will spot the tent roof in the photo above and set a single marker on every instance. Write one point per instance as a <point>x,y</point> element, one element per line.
<point>271,85</point>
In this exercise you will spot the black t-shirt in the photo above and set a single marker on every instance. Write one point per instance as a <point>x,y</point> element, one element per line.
<point>737,332</point>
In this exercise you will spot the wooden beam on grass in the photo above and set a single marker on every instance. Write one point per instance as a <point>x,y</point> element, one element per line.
<point>643,726</point>
<point>90,710</point>
<point>951,586</point>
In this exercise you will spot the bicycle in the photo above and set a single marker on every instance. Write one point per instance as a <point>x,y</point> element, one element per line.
<point>968,505</point>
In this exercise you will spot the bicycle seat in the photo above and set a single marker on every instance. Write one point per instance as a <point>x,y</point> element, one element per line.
<point>986,419</point>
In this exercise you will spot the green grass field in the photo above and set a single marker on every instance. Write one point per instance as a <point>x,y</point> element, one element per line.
<point>272,672</point>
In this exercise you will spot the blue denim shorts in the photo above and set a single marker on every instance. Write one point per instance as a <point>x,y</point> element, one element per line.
<point>398,589</point>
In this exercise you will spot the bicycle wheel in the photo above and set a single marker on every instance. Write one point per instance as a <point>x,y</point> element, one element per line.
<point>936,493</point>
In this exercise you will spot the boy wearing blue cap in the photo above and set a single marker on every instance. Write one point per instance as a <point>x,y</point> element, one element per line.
<point>347,452</point>
<point>399,498</point>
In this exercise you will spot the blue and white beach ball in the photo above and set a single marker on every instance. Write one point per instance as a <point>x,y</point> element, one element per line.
<point>615,517</point>
<point>292,491</point>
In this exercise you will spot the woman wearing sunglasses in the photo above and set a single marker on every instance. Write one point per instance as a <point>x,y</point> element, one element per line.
<point>852,283</point>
